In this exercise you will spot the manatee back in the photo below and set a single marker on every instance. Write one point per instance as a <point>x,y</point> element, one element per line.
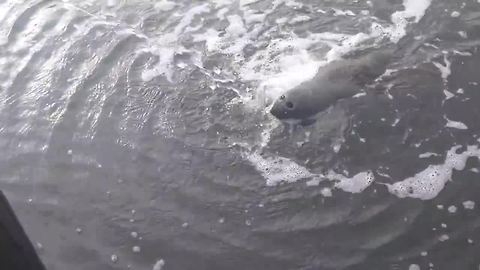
<point>337,80</point>
<point>371,66</point>
<point>357,71</point>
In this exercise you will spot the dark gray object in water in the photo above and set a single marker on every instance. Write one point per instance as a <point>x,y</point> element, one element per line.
<point>16,250</point>
<point>337,80</point>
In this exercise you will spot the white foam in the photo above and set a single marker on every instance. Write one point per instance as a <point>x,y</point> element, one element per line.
<point>267,132</point>
<point>221,13</point>
<point>221,3</point>
<point>445,72</point>
<point>252,17</point>
<point>299,19</point>
<point>448,94</point>
<point>236,37</point>
<point>211,38</point>
<point>278,169</point>
<point>428,183</point>
<point>313,182</point>
<point>414,267</point>
<point>187,18</point>
<point>416,8</point>
<point>463,34</point>
<point>6,10</point>
<point>395,123</point>
<point>236,28</point>
<point>282,20</point>
<point>443,237</point>
<point>361,94</point>
<point>326,192</point>
<point>413,9</point>
<point>164,5</point>
<point>470,205</point>
<point>355,184</point>
<point>293,4</point>
<point>336,147</point>
<point>163,66</point>
<point>159,265</point>
<point>455,124</point>
<point>428,154</point>
<point>455,14</point>
<point>347,43</point>
<point>338,12</point>
<point>452,209</point>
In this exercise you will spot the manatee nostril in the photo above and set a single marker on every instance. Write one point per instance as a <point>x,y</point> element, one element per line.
<point>289,105</point>
<point>282,97</point>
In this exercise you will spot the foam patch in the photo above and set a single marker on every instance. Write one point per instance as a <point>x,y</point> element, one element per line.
<point>428,183</point>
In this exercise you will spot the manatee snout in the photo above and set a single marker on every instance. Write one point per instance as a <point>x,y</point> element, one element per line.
<point>281,108</point>
<point>294,105</point>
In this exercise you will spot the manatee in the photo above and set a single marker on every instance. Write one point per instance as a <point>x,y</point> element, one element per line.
<point>337,80</point>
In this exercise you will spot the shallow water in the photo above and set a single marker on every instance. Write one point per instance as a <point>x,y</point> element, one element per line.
<point>138,131</point>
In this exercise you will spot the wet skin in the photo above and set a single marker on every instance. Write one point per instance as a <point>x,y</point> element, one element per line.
<point>337,80</point>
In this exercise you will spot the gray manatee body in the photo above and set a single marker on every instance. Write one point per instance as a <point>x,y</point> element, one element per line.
<point>337,80</point>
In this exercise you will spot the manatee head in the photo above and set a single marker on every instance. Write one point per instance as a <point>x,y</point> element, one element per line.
<point>294,105</point>
<point>310,98</point>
